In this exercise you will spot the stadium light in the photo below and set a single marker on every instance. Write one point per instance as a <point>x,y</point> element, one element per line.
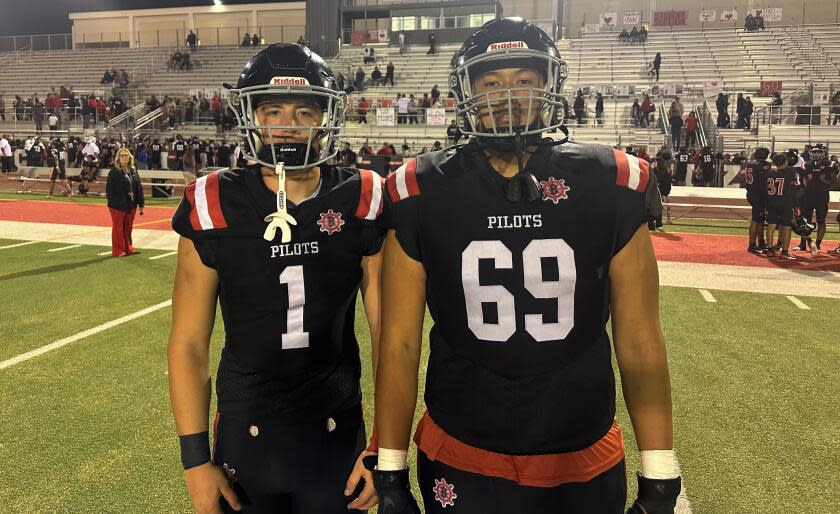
<point>217,2</point>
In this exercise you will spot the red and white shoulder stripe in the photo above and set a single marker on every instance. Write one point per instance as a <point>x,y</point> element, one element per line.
<point>631,172</point>
<point>203,195</point>
<point>403,182</point>
<point>370,199</point>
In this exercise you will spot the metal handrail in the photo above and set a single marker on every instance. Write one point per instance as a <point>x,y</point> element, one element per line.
<point>125,115</point>
<point>145,120</point>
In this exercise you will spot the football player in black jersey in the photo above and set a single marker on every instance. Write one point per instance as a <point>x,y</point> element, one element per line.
<point>754,178</point>
<point>522,248</point>
<point>780,181</point>
<point>706,164</point>
<point>285,244</point>
<point>820,174</point>
<point>681,160</point>
<point>58,156</point>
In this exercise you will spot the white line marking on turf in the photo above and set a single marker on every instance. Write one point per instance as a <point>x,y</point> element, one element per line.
<point>18,244</point>
<point>796,301</point>
<point>161,256</point>
<point>683,505</point>
<point>83,334</point>
<point>707,296</point>
<point>63,248</point>
<point>105,253</point>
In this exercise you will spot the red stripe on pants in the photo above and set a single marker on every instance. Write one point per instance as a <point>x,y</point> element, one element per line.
<point>121,225</point>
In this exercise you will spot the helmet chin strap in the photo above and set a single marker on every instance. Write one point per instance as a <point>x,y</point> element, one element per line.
<point>280,219</point>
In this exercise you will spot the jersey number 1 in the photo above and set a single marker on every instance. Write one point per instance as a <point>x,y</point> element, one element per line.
<point>294,337</point>
<point>563,289</point>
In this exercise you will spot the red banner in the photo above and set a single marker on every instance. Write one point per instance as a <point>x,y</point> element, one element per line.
<point>669,18</point>
<point>768,87</point>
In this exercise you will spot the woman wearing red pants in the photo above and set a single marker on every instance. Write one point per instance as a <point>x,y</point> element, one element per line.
<point>125,194</point>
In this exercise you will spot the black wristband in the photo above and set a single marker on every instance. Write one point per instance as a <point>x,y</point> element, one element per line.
<point>195,449</point>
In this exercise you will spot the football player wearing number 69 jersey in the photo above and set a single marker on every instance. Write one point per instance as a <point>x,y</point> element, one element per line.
<point>284,244</point>
<point>521,247</point>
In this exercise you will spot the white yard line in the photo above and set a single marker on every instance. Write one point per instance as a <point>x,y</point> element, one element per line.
<point>796,301</point>
<point>144,239</point>
<point>63,248</point>
<point>18,244</point>
<point>707,296</point>
<point>161,256</point>
<point>104,253</point>
<point>83,334</point>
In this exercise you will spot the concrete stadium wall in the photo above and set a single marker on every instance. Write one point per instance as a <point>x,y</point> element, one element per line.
<point>224,24</point>
<point>577,13</point>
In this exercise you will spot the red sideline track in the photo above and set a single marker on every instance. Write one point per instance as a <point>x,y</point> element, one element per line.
<point>674,247</point>
<point>85,214</point>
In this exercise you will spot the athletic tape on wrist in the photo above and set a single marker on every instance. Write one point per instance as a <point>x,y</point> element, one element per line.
<point>658,464</point>
<point>392,460</point>
<point>195,449</point>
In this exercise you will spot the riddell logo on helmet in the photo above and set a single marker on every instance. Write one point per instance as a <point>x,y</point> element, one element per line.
<point>289,81</point>
<point>506,45</point>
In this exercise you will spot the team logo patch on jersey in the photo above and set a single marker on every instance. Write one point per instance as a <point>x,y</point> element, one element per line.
<point>445,493</point>
<point>554,189</point>
<point>330,222</point>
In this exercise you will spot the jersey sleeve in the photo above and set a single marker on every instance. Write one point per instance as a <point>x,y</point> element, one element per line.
<point>199,217</point>
<point>372,211</point>
<point>403,194</point>
<point>633,188</point>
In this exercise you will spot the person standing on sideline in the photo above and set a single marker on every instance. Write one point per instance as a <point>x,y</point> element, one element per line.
<point>125,195</point>
<point>5,154</point>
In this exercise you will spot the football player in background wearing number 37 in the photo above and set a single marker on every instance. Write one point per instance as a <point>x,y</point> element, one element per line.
<point>285,256</point>
<point>522,248</point>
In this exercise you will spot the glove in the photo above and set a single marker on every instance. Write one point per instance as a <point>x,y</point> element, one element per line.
<point>656,496</point>
<point>394,493</point>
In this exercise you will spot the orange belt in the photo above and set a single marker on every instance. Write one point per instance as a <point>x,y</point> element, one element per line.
<point>549,470</point>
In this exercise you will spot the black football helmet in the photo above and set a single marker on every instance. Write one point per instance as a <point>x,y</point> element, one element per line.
<point>801,226</point>
<point>286,69</point>
<point>819,153</point>
<point>508,43</point>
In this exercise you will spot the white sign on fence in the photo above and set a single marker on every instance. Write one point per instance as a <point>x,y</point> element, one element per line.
<point>729,15</point>
<point>712,88</point>
<point>436,116</point>
<point>608,19</point>
<point>386,116</point>
<point>708,15</point>
<point>768,13</point>
<point>632,18</point>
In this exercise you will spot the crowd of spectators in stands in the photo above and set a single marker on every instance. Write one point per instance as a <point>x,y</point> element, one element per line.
<point>179,61</point>
<point>634,36</point>
<point>117,78</point>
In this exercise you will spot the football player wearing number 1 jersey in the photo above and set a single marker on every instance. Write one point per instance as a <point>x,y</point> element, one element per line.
<point>284,244</point>
<point>522,247</point>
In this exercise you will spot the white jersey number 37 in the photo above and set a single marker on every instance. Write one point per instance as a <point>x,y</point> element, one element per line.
<point>563,289</point>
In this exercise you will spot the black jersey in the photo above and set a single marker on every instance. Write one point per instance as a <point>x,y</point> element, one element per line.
<point>156,148</point>
<point>288,308</point>
<point>820,175</point>
<point>519,360</point>
<point>781,186</point>
<point>754,178</point>
<point>706,160</point>
<point>179,148</point>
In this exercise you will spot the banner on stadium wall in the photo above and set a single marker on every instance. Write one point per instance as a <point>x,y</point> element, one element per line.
<point>712,88</point>
<point>625,89</point>
<point>608,19</point>
<point>591,28</point>
<point>436,116</point>
<point>768,87</point>
<point>708,15</point>
<point>632,18</point>
<point>605,90</point>
<point>208,93</point>
<point>386,117</point>
<point>672,89</point>
<point>768,13</point>
<point>729,15</point>
<point>377,36</point>
<point>670,18</point>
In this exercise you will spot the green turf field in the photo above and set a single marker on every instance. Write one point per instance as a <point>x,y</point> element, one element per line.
<point>87,429</point>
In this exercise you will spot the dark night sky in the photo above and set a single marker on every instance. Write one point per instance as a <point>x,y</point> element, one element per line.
<point>19,17</point>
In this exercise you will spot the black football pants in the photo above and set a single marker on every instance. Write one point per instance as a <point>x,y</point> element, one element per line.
<point>298,469</point>
<point>447,490</point>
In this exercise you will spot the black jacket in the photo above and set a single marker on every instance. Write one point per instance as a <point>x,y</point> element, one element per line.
<point>123,190</point>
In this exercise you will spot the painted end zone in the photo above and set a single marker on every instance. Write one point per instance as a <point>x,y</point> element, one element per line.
<point>92,215</point>
<point>732,250</point>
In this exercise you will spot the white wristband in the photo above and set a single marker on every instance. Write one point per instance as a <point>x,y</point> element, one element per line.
<point>659,464</point>
<point>391,460</point>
